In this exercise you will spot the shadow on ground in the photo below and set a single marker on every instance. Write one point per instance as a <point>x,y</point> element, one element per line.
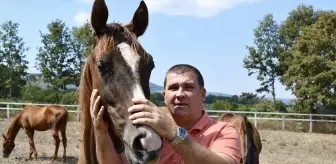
<point>69,159</point>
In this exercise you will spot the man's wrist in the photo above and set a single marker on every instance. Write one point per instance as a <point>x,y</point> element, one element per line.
<point>181,135</point>
<point>172,135</point>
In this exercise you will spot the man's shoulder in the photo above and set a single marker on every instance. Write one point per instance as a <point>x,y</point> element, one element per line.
<point>216,125</point>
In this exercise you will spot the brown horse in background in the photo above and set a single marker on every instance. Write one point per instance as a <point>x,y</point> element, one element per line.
<point>37,118</point>
<point>119,68</point>
<point>249,136</point>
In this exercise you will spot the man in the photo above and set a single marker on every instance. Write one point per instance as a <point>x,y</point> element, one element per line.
<point>190,135</point>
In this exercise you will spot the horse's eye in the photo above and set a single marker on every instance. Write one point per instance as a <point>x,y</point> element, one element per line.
<point>101,67</point>
<point>121,30</point>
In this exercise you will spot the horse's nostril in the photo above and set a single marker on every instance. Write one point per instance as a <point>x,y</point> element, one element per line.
<point>137,145</point>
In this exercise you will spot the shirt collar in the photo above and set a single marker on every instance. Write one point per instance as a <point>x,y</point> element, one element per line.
<point>201,122</point>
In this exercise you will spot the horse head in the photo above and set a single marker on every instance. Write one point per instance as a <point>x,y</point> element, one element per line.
<point>8,145</point>
<point>119,68</point>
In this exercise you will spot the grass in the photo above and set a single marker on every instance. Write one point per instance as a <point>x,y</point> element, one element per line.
<point>279,147</point>
<point>282,147</point>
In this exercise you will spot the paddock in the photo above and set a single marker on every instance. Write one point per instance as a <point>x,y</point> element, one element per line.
<point>279,147</point>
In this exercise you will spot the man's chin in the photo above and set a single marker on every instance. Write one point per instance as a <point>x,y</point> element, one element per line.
<point>180,111</point>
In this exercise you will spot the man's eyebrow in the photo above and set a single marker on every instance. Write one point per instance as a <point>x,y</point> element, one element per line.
<point>189,83</point>
<point>171,84</point>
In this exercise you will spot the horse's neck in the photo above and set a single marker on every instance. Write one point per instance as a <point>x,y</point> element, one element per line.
<point>14,127</point>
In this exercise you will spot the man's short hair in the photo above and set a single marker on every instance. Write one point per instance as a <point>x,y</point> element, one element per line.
<point>182,68</point>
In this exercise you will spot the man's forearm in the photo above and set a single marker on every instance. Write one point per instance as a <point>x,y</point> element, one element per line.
<point>192,152</point>
<point>105,151</point>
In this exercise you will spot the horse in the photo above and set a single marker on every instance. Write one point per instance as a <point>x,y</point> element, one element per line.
<point>250,139</point>
<point>119,68</point>
<point>37,118</point>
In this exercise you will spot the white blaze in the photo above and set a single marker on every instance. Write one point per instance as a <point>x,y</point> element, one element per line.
<point>152,141</point>
<point>132,59</point>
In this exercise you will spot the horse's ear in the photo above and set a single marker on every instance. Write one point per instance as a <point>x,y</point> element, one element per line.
<point>139,23</point>
<point>99,16</point>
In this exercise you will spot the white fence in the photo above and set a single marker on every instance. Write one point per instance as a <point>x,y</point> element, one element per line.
<point>255,117</point>
<point>9,107</point>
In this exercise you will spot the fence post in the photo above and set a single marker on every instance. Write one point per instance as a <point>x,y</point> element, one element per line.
<point>283,122</point>
<point>7,111</point>
<point>310,123</point>
<point>255,120</point>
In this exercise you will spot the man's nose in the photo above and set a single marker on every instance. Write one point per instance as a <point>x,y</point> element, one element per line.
<point>180,93</point>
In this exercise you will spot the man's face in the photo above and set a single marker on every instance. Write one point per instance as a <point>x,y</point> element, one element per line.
<point>183,95</point>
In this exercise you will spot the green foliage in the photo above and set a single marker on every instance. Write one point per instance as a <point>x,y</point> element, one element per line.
<point>248,98</point>
<point>53,57</point>
<point>212,98</point>
<point>311,73</point>
<point>81,46</point>
<point>297,19</point>
<point>35,94</point>
<point>264,58</point>
<point>290,29</point>
<point>223,105</point>
<point>157,98</point>
<point>263,106</point>
<point>32,93</point>
<point>267,106</point>
<point>69,98</point>
<point>13,66</point>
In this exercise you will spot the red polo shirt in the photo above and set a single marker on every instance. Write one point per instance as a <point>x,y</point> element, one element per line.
<point>219,137</point>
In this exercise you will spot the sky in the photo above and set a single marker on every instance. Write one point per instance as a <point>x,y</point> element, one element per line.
<point>211,35</point>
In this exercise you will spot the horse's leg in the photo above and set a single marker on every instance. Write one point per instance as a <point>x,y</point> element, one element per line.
<point>64,141</point>
<point>30,134</point>
<point>57,141</point>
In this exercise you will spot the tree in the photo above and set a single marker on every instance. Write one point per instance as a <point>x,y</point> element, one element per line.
<point>264,58</point>
<point>157,98</point>
<point>291,29</point>
<point>248,98</point>
<point>311,72</point>
<point>223,105</point>
<point>54,57</point>
<point>13,66</point>
<point>81,46</point>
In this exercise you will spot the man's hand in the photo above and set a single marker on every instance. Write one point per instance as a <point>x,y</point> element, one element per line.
<point>160,119</point>
<point>97,113</point>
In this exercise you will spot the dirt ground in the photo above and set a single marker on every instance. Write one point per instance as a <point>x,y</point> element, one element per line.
<point>278,147</point>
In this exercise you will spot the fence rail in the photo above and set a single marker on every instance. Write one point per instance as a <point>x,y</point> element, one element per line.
<point>8,107</point>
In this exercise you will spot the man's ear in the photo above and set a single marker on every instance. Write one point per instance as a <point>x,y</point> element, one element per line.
<point>203,92</point>
<point>164,98</point>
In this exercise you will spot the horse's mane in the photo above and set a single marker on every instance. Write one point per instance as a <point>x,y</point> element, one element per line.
<point>15,122</point>
<point>84,104</point>
<point>85,89</point>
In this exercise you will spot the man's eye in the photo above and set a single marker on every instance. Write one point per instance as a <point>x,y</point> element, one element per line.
<point>173,88</point>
